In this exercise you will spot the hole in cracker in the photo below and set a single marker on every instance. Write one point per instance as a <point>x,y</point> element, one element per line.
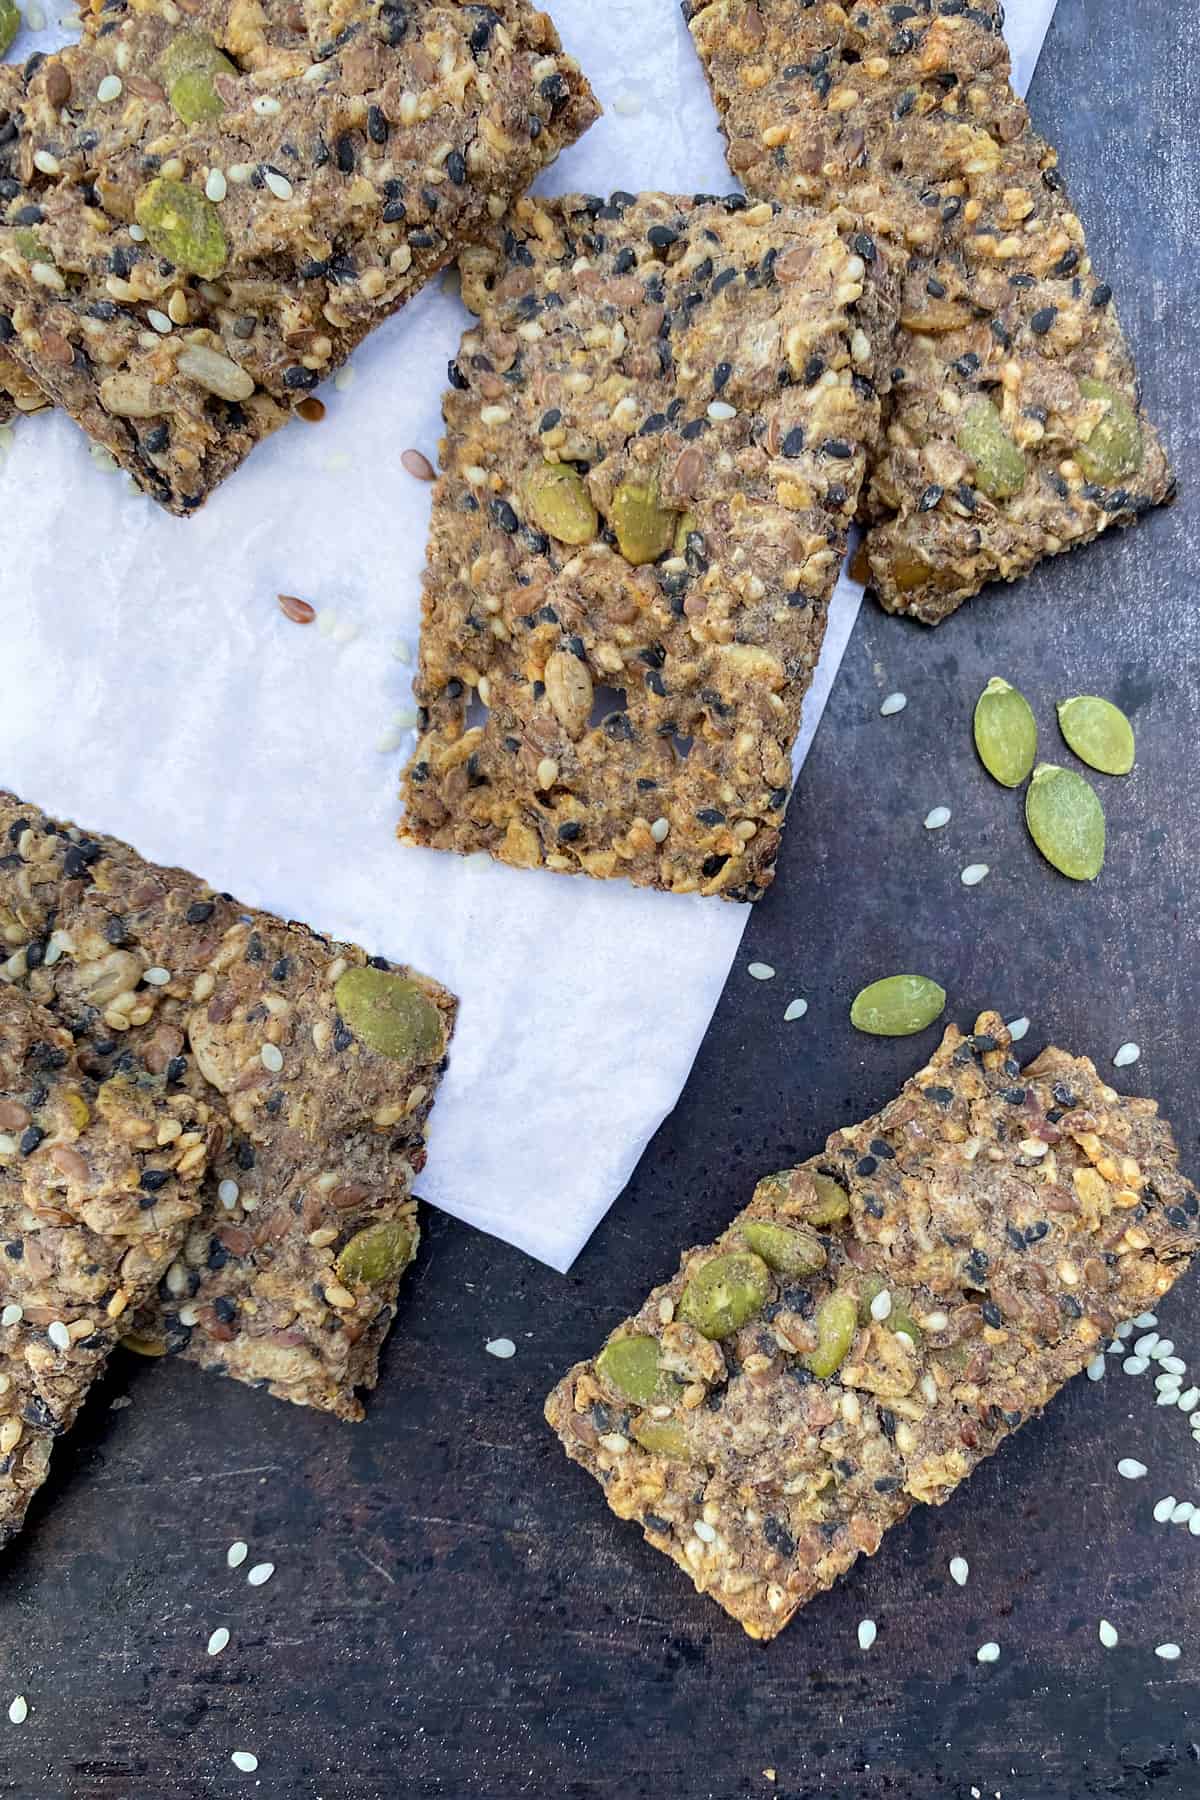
<point>476,713</point>
<point>605,702</point>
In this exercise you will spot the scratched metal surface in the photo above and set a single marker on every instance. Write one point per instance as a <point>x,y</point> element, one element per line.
<point>454,1614</point>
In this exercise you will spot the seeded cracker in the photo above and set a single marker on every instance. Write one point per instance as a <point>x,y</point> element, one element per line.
<point>654,446</point>
<point>878,1320</point>
<point>318,1064</point>
<point>99,1181</point>
<point>354,147</point>
<point>1015,428</point>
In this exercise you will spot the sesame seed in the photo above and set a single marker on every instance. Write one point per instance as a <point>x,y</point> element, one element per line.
<point>227,1192</point>
<point>881,1305</point>
<point>260,1573</point>
<point>109,89</point>
<point>895,703</point>
<point>988,1653</point>
<point>12,1314</point>
<point>18,1710</point>
<point>1143,1321</point>
<point>1135,1365</point>
<point>157,977</point>
<point>1174,1364</point>
<point>1194,1421</point>
<point>1168,1652</point>
<point>1168,1398</point>
<point>1128,1053</point>
<point>547,772</point>
<point>240,173</point>
<point>501,1347</point>
<point>216,187</point>
<point>719,410</point>
<point>1126,1329</point>
<point>265,105</point>
<point>1189,1399</point>
<point>627,104</point>
<point>1131,1468</point>
<point>59,1336</point>
<point>218,1641</point>
<point>868,1631</point>
<point>279,184</point>
<point>271,1058</point>
<point>1108,1635</point>
<point>8,1144</point>
<point>1194,1524</point>
<point>236,1554</point>
<point>973,874</point>
<point>960,1568</point>
<point>47,164</point>
<point>159,320</point>
<point>1164,1350</point>
<point>795,1009</point>
<point>659,830</point>
<point>344,378</point>
<point>1017,1028</point>
<point>1182,1513</point>
<point>137,233</point>
<point>245,1760</point>
<point>1145,1346</point>
<point>1095,1369</point>
<point>1164,1509</point>
<point>939,816</point>
<point>1166,1380</point>
<point>760,971</point>
<point>704,1532</point>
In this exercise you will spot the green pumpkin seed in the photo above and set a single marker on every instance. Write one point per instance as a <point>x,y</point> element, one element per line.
<point>1066,821</point>
<point>186,69</point>
<point>724,1293</point>
<point>644,527</point>
<point>633,1366</point>
<point>194,97</point>
<point>389,1013</point>
<point>1114,450</point>
<point>1098,732</point>
<point>898,1005</point>
<point>379,1253</point>
<point>559,502</point>
<point>662,1437</point>
<point>183,226</point>
<point>789,1248</point>
<point>833,1202</point>
<point>10,23</point>
<point>836,1322</point>
<point>999,464</point>
<point>900,1320</point>
<point>30,246</point>
<point>869,1286</point>
<point>1005,733</point>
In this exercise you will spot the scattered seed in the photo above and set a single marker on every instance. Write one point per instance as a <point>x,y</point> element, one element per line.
<point>1095,1369</point>
<point>1194,1524</point>
<point>658,832</point>
<point>1164,1509</point>
<point>109,89</point>
<point>1135,1365</point>
<point>1098,732</point>
<point>1131,1468</point>
<point>868,1631</point>
<point>279,184</point>
<point>795,1009</point>
<point>1175,1365</point>
<point>161,323</point>
<point>1167,1399</point>
<point>344,378</point>
<point>299,611</point>
<point>1066,822</point>
<point>1146,1345</point>
<point>1167,1380</point>
<point>418,465</point>
<point>988,1653</point>
<point>501,1347</point>
<point>627,104</point>
<point>897,1006</point>
<point>218,1641</point>
<point>1108,1635</point>
<point>973,874</point>
<point>1181,1513</point>
<point>939,816</point>
<point>260,1573</point>
<point>894,703</point>
<point>1143,1321</point>
<point>1168,1652</point>
<point>216,187</point>
<point>1128,1053</point>
<point>311,410</point>
<point>1017,1028</point>
<point>760,971</point>
<point>18,1711</point>
<point>960,1568</point>
<point>719,410</point>
<point>271,1058</point>
<point>58,1334</point>
<point>245,1760</point>
<point>1005,733</point>
<point>236,1554</point>
<point>1188,1400</point>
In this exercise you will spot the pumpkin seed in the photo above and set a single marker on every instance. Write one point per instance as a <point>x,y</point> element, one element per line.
<point>833,1202</point>
<point>633,1366</point>
<point>389,1013</point>
<point>10,23</point>
<point>683,531</point>
<point>724,1293</point>
<point>378,1253</point>
<point>644,527</point>
<point>836,1322</point>
<point>662,1437</point>
<point>789,1248</point>
<point>1098,732</point>
<point>559,502</point>
<point>183,226</point>
<point>898,1005</point>
<point>1005,733</point>
<point>1066,821</point>
<point>1114,449</point>
<point>186,68</point>
<point>999,464</point>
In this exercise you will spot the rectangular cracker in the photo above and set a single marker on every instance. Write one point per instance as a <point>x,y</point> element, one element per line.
<point>99,1182</point>
<point>703,364</point>
<point>902,120</point>
<point>360,147</point>
<point>1012,1218</point>
<point>319,1135</point>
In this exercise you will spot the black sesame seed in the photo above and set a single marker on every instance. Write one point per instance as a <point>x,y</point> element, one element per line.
<point>863,246</point>
<point>154,1179</point>
<point>570,831</point>
<point>377,125</point>
<point>930,497</point>
<point>992,1315</point>
<point>503,515</point>
<point>343,151</point>
<point>299,377</point>
<point>30,1138</point>
<point>114,931</point>
<point>793,443</point>
<point>662,236</point>
<point>199,911</point>
<point>837,447</point>
<point>1043,319</point>
<point>1036,1232</point>
<point>866,1165</point>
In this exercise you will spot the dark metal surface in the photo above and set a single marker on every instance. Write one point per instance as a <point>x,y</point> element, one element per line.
<point>454,1613</point>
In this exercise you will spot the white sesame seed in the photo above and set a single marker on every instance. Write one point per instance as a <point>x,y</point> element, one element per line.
<point>157,977</point>
<point>1143,1321</point>
<point>895,703</point>
<point>1182,1513</point>
<point>1131,1468</point>
<point>109,89</point>
<point>627,104</point>
<point>1108,1635</point>
<point>159,320</point>
<point>227,1192</point>
<point>960,1568</point>
<point>265,105</point>
<point>659,830</point>
<point>1168,1652</point>
<point>236,1554</point>
<point>1166,1380</point>
<point>1194,1421</point>
<point>240,173</point>
<point>1017,1028</point>
<point>137,233</point>
<point>1164,1348</point>
<point>59,1336</point>
<point>271,1058</point>
<point>344,378</point>
<point>46,163</point>
<point>704,1531</point>
<point>1164,1509</point>
<point>216,187</point>
<point>1128,1053</point>
<point>1169,1398</point>
<point>795,1009</point>
<point>719,410</point>
<point>760,971</point>
<point>1095,1369</point>
<point>1175,1364</point>
<point>8,1144</point>
<point>12,1314</point>
<point>120,1403</point>
<point>1126,1329</point>
<point>389,740</point>
<point>937,818</point>
<point>260,1573</point>
<point>1189,1398</point>
<point>218,1641</point>
<point>1135,1365</point>
<point>501,1347</point>
<point>315,71</point>
<point>868,1631</point>
<point>1145,1345</point>
<point>245,1760</point>
<point>18,1710</point>
<point>1194,1524</point>
<point>974,873</point>
<point>988,1653</point>
<point>279,185</point>
<point>881,1305</point>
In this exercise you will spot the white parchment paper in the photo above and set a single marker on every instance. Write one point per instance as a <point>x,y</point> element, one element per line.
<point>150,687</point>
